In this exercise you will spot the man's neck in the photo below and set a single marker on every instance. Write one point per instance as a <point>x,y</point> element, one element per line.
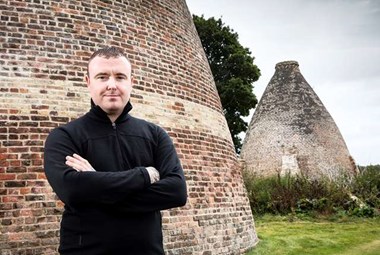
<point>113,117</point>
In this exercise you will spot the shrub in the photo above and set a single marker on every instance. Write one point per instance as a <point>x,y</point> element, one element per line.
<point>259,192</point>
<point>358,196</point>
<point>366,185</point>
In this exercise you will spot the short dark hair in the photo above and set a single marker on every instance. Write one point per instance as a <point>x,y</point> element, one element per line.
<point>106,52</point>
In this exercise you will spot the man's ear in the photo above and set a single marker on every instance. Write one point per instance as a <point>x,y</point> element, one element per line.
<point>87,79</point>
<point>132,81</point>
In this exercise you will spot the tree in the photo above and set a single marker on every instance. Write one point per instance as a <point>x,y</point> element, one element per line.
<point>233,70</point>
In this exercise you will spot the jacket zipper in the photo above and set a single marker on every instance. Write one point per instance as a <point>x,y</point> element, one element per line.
<point>120,159</point>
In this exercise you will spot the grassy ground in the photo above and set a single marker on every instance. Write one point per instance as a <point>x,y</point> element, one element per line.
<point>286,236</point>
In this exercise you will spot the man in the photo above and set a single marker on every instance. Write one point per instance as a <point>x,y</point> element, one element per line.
<point>113,172</point>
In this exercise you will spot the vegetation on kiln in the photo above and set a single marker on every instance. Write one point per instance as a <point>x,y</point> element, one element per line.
<point>353,196</point>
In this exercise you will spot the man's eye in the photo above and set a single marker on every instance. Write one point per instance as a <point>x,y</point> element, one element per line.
<point>121,77</point>
<point>101,77</point>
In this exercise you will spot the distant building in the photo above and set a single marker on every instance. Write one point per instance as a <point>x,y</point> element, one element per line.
<point>292,132</point>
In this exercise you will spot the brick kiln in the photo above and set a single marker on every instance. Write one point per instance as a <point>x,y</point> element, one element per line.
<point>44,49</point>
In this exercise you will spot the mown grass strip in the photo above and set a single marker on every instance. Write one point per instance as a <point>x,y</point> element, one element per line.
<point>353,236</point>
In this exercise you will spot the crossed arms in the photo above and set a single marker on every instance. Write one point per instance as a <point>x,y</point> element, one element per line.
<point>82,165</point>
<point>140,189</point>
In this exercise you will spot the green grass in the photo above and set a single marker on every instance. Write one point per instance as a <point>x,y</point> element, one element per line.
<point>286,236</point>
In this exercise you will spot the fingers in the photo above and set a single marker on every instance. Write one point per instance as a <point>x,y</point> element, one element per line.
<point>76,156</point>
<point>74,163</point>
<point>78,163</point>
<point>153,174</point>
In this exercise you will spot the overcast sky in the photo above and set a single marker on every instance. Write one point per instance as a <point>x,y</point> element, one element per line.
<point>337,45</point>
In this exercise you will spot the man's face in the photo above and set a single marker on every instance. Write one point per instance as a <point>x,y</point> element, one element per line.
<point>110,84</point>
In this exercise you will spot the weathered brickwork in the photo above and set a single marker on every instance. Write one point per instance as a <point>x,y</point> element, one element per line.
<point>44,48</point>
<point>291,131</point>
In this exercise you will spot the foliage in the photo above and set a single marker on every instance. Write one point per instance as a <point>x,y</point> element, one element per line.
<point>367,185</point>
<point>299,195</point>
<point>233,70</point>
<point>259,192</point>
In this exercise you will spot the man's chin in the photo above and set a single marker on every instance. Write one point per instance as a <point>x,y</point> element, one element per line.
<point>113,108</point>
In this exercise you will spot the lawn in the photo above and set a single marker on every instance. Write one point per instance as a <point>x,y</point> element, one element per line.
<point>287,236</point>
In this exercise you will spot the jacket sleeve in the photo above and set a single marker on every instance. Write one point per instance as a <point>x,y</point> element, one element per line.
<point>170,191</point>
<point>83,188</point>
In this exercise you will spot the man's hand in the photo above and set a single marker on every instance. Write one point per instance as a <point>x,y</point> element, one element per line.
<point>78,163</point>
<point>153,174</point>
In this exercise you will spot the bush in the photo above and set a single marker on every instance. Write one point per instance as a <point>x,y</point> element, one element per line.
<point>359,196</point>
<point>321,205</point>
<point>367,185</point>
<point>259,192</point>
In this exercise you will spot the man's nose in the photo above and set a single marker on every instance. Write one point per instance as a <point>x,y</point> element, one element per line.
<point>111,84</point>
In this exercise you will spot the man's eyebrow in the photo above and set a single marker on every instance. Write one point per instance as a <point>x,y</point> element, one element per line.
<point>101,74</point>
<point>107,74</point>
<point>122,74</point>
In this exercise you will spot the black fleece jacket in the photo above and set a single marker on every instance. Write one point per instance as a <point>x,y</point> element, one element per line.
<point>114,210</point>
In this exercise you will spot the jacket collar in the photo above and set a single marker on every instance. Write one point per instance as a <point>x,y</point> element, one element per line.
<point>97,113</point>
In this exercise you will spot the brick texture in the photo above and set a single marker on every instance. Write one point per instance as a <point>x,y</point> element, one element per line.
<point>44,49</point>
<point>292,131</point>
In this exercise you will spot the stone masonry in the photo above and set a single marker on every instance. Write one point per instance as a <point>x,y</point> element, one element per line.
<point>292,132</point>
<point>44,48</point>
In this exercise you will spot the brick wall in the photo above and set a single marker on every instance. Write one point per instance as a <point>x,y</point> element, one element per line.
<point>44,50</point>
<point>292,131</point>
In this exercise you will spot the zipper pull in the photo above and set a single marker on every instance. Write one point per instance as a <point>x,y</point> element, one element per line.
<point>114,125</point>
